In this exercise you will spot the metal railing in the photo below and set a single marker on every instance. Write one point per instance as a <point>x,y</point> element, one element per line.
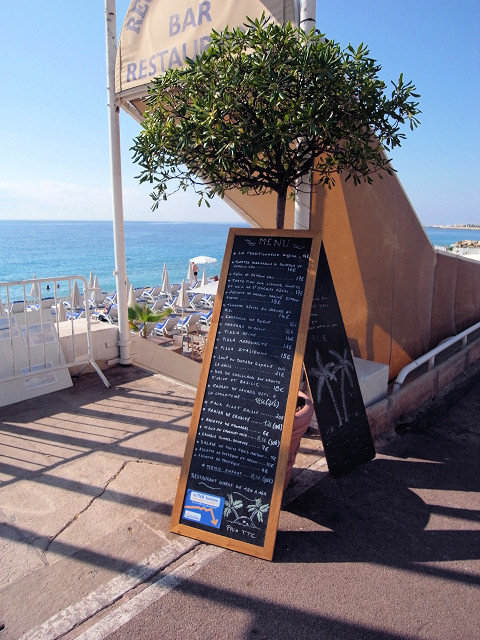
<point>431,355</point>
<point>27,312</point>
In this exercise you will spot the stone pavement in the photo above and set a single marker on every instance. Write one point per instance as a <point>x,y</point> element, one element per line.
<point>87,481</point>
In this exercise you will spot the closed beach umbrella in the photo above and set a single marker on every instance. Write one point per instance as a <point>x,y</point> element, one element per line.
<point>61,313</point>
<point>91,279</point>
<point>35,290</point>
<point>166,286</point>
<point>183,299</point>
<point>77,299</point>
<point>2,309</point>
<point>131,297</point>
<point>97,291</point>
<point>204,278</point>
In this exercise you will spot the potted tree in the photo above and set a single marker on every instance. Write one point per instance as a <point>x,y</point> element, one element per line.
<point>301,422</point>
<point>264,107</point>
<point>232,118</point>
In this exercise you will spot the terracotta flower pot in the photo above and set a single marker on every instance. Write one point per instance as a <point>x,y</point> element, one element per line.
<point>301,422</point>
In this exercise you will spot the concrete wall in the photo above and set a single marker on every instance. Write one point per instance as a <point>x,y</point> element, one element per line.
<point>398,296</point>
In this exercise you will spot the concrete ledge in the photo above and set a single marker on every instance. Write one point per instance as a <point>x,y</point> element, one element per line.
<point>104,337</point>
<point>412,397</point>
<point>164,360</point>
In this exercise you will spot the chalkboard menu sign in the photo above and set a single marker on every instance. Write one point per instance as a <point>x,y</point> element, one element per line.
<point>231,482</point>
<point>339,407</point>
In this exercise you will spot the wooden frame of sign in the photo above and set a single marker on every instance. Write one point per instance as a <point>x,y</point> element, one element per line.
<point>231,482</point>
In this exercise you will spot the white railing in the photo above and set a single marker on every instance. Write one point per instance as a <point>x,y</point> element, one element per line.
<point>431,355</point>
<point>24,310</point>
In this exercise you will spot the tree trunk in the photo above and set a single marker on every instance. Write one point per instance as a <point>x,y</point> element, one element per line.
<point>281,204</point>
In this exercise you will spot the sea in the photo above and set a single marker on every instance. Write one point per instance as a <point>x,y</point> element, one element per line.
<point>60,248</point>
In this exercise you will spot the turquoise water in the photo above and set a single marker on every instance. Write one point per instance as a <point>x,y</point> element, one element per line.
<point>446,237</point>
<point>49,249</point>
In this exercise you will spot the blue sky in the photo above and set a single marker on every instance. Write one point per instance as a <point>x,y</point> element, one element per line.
<point>55,162</point>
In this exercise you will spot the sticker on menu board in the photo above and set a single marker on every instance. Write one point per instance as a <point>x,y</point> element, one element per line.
<point>203,508</point>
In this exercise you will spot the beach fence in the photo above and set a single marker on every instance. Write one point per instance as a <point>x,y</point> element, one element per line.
<point>36,324</point>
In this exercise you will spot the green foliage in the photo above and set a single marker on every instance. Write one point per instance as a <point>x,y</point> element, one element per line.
<point>141,318</point>
<point>232,118</point>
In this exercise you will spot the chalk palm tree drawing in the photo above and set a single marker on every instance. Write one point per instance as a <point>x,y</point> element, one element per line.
<point>325,374</point>
<point>344,365</point>
<point>257,509</point>
<point>231,506</point>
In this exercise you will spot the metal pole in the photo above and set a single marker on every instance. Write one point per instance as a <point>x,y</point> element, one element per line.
<point>116,168</point>
<point>307,13</point>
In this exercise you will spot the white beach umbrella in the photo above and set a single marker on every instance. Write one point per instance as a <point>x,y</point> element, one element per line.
<point>91,279</point>
<point>96,296</point>
<point>2,309</point>
<point>204,278</point>
<point>210,287</point>
<point>35,290</point>
<point>203,260</point>
<point>164,270</point>
<point>183,299</point>
<point>131,297</point>
<point>77,298</point>
<point>166,286</point>
<point>61,313</point>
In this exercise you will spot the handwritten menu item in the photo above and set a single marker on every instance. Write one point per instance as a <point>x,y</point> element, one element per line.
<point>231,483</point>
<point>339,407</point>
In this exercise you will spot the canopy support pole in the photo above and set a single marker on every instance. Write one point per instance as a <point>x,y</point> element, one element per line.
<point>303,195</point>
<point>120,272</point>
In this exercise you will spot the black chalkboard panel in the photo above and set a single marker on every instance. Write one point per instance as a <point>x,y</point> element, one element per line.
<point>234,466</point>
<point>336,394</point>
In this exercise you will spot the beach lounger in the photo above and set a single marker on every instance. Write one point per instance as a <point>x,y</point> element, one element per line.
<point>151,294</point>
<point>112,299</point>
<point>75,315</point>
<point>206,318</point>
<point>189,323</point>
<point>209,300</point>
<point>165,327</point>
<point>196,301</point>
<point>171,304</point>
<point>109,314</point>
<point>16,306</point>
<point>159,303</point>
